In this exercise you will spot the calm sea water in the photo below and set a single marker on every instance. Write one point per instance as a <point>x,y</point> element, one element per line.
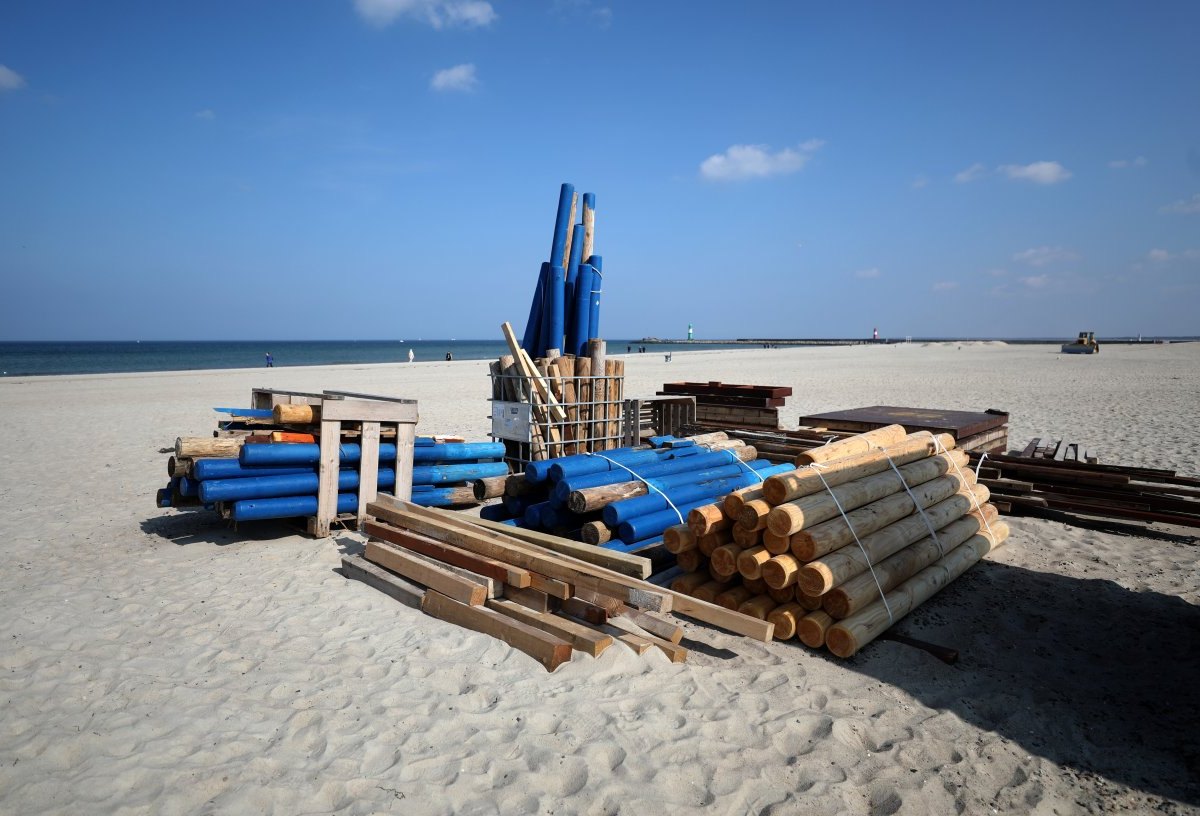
<point>24,359</point>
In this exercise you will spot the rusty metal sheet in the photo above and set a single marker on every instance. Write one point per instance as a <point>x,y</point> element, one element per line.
<point>960,424</point>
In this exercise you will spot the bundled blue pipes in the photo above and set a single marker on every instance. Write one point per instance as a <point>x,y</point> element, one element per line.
<point>564,312</point>
<point>280,480</point>
<point>628,497</point>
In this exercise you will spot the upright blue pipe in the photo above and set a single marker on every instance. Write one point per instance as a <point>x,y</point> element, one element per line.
<point>581,310</point>
<point>597,264</point>
<point>288,507</point>
<point>555,311</point>
<point>572,271</point>
<point>562,223</point>
<point>533,326</point>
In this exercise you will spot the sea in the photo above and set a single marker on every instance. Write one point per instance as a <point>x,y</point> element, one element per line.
<point>27,359</point>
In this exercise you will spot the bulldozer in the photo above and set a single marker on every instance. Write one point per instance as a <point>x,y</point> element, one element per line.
<point>1084,344</point>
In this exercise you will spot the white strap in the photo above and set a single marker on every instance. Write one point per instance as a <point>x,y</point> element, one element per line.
<point>928,524</point>
<point>974,499</point>
<point>643,481</point>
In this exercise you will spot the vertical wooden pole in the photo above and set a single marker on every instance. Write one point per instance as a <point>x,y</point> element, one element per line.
<point>406,434</point>
<point>589,225</point>
<point>596,350</point>
<point>327,481</point>
<point>368,468</point>
<point>583,393</point>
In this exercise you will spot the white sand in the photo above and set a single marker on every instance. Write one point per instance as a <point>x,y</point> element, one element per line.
<point>155,662</point>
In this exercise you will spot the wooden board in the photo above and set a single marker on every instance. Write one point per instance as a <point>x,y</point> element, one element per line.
<point>424,573</point>
<point>449,554</point>
<point>582,638</point>
<point>959,424</point>
<point>528,598</point>
<point>360,569</point>
<point>547,649</point>
<point>719,389</point>
<point>632,565</point>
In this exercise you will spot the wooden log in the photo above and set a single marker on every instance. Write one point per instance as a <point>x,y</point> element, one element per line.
<point>613,412</point>
<point>810,602</point>
<point>547,649</point>
<point>424,573</point>
<point>781,571</point>
<point>723,561</point>
<point>782,596</point>
<point>360,569</point>
<point>862,443</point>
<point>760,606</point>
<point>813,628</point>
<point>793,516</point>
<point>201,447</point>
<point>733,597</point>
<point>776,544</point>
<point>296,414</point>
<point>596,532</point>
<point>745,537</point>
<point>823,574</point>
<point>583,393</point>
<point>517,486</point>
<point>596,498</point>
<point>806,481</point>
<point>596,351</point>
<point>688,584</point>
<point>850,596</point>
<point>733,502</point>
<point>757,586</point>
<point>754,514</point>
<point>491,487</point>
<point>709,591</point>
<point>750,562</point>
<point>582,638</point>
<point>690,560</point>
<point>634,566</point>
<point>710,518</point>
<point>785,617</point>
<point>707,543</point>
<point>848,636</point>
<point>179,466</point>
<point>449,554</point>
<point>680,538</point>
<point>813,542</point>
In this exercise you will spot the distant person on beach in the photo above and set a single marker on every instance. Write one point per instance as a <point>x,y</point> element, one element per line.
<point>411,356</point>
<point>270,360</point>
<point>449,356</point>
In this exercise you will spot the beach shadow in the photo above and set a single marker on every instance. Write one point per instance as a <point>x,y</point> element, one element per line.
<point>202,527</point>
<point>1090,675</point>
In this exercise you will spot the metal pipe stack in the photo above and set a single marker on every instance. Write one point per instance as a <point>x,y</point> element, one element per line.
<point>838,549</point>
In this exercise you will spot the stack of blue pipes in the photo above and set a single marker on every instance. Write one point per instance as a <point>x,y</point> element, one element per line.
<point>624,499</point>
<point>280,480</point>
<point>565,310</point>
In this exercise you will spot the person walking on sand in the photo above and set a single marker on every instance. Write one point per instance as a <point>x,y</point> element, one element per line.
<point>270,360</point>
<point>411,356</point>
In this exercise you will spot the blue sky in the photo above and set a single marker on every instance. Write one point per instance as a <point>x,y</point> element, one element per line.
<point>390,168</point>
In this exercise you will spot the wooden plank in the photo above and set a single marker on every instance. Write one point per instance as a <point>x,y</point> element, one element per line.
<point>640,645</point>
<point>405,438</point>
<point>585,610</point>
<point>436,578</point>
<point>327,480</point>
<point>543,647</point>
<point>362,410</point>
<point>582,638</point>
<point>491,586</point>
<point>449,554</point>
<point>632,565</point>
<point>654,625</point>
<point>368,468</point>
<point>529,598</point>
<point>358,568</point>
<point>552,587</point>
<point>1027,453</point>
<point>674,652</point>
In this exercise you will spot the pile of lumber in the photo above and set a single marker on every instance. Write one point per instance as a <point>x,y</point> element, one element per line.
<point>837,550</point>
<point>624,499</point>
<point>971,430</point>
<point>274,471</point>
<point>1026,484</point>
<point>727,405</point>
<point>576,402</point>
<point>542,595</point>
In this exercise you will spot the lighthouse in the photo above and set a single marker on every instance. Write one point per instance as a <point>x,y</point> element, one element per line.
<point>689,331</point>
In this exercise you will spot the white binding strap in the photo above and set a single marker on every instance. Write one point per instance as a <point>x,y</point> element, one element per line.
<point>643,481</point>
<point>928,524</point>
<point>974,499</point>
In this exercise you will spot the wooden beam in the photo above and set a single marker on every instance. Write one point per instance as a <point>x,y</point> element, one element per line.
<point>449,554</point>
<point>552,587</point>
<point>543,647</point>
<point>634,566</point>
<point>528,598</point>
<point>585,610</point>
<point>491,586</point>
<point>436,578</point>
<point>582,638</point>
<point>360,569</point>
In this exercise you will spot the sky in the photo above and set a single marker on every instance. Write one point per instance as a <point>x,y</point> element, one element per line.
<point>378,169</point>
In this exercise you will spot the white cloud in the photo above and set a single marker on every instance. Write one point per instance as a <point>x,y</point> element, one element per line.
<point>1187,206</point>
<point>1041,256</point>
<point>973,173</point>
<point>437,13</point>
<point>757,161</point>
<point>10,80</point>
<point>945,286</point>
<point>1121,164</point>
<point>1159,255</point>
<point>919,182</point>
<point>873,272</point>
<point>1036,281</point>
<point>1042,172</point>
<point>1162,255</point>
<point>206,114</point>
<point>458,78</point>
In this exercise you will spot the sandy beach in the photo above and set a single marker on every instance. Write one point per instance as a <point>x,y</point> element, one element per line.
<point>156,661</point>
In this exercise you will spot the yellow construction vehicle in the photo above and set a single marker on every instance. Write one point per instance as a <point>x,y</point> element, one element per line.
<point>1084,344</point>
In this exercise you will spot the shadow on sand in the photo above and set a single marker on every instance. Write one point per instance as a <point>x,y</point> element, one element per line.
<point>1085,673</point>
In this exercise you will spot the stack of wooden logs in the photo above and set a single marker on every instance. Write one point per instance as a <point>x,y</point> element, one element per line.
<point>1026,484</point>
<point>625,499</point>
<point>540,594</point>
<point>837,550</point>
<point>576,401</point>
<point>727,405</point>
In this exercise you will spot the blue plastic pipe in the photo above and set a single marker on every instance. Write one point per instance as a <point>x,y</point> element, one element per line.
<point>581,310</point>
<point>533,326</point>
<point>205,469</point>
<point>568,467</point>
<point>653,524</point>
<point>701,461</point>
<point>438,497</point>
<point>451,474</point>
<point>652,502</point>
<point>562,223</point>
<point>285,454</point>
<point>494,512</point>
<point>597,264</point>
<point>266,487</point>
<point>288,507</point>
<point>572,270</point>
<point>555,311</point>
<point>537,472</point>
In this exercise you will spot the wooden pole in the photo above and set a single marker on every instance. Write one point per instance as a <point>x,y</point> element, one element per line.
<point>583,393</point>
<point>760,606</point>
<point>813,628</point>
<point>201,447</point>
<point>680,538</point>
<point>862,443</point>
<point>296,414</point>
<point>785,617</point>
<point>689,583</point>
<point>710,518</point>
<point>750,562</point>
<point>596,351</point>
<point>723,561</point>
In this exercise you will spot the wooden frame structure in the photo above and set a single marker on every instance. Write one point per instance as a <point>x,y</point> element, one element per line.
<point>370,412</point>
<point>656,416</point>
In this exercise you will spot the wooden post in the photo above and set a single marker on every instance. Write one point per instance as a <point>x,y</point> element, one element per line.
<point>596,351</point>
<point>368,468</point>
